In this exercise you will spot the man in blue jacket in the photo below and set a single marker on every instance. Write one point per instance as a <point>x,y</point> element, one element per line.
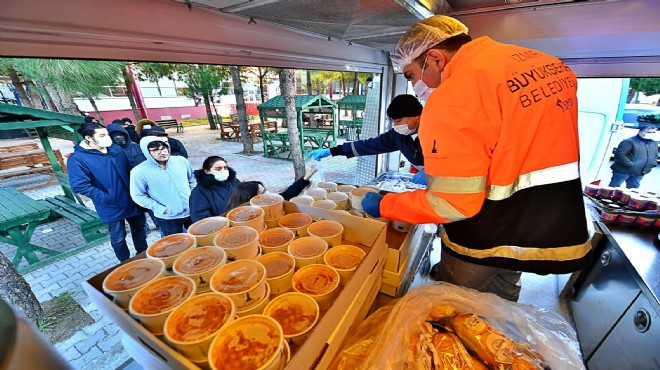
<point>121,137</point>
<point>404,111</point>
<point>100,171</point>
<point>162,184</point>
<point>635,157</point>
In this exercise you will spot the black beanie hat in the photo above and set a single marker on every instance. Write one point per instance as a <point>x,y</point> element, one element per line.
<point>404,106</point>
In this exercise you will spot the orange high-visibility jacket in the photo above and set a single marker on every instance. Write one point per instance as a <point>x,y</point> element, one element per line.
<point>500,144</point>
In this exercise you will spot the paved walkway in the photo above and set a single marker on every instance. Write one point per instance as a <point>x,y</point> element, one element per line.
<point>98,345</point>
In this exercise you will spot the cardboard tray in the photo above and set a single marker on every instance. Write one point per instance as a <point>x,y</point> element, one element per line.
<point>349,309</point>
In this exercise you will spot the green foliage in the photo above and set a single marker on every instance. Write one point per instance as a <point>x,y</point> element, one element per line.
<point>65,301</point>
<point>649,86</point>
<point>45,323</point>
<point>202,79</point>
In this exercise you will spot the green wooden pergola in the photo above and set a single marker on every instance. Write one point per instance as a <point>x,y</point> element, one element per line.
<point>355,105</point>
<point>275,144</point>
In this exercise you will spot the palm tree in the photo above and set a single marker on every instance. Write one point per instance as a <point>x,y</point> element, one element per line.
<point>289,95</point>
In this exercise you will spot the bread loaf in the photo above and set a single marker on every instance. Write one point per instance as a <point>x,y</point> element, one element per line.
<point>450,353</point>
<point>492,347</point>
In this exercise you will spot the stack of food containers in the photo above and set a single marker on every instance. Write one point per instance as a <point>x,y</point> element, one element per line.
<point>626,206</point>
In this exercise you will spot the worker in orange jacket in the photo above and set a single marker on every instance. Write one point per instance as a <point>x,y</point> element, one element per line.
<point>500,141</point>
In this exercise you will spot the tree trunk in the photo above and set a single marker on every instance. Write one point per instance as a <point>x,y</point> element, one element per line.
<point>96,109</point>
<point>18,85</point>
<point>261,84</point>
<point>246,136</point>
<point>128,82</point>
<point>288,93</point>
<point>309,82</point>
<point>34,94</point>
<point>63,102</point>
<point>356,83</point>
<point>17,292</point>
<point>209,114</point>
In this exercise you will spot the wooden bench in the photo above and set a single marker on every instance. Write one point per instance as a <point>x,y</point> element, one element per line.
<point>226,131</point>
<point>92,229</point>
<point>18,148</point>
<point>170,123</point>
<point>28,162</point>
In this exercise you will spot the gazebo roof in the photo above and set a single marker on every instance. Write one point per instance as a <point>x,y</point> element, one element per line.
<point>59,125</point>
<point>302,102</point>
<point>356,102</point>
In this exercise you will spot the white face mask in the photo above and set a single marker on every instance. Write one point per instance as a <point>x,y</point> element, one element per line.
<point>104,142</point>
<point>404,130</point>
<point>221,176</point>
<point>420,88</point>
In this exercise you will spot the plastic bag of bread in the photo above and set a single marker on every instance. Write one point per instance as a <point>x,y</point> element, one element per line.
<point>492,332</point>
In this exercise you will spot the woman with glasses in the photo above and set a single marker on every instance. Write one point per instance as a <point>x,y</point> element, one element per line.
<point>215,183</point>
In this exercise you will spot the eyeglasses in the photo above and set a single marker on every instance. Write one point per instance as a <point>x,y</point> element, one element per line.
<point>160,150</point>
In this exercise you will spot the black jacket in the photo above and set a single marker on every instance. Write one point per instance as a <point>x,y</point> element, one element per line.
<point>387,142</point>
<point>635,156</point>
<point>209,198</point>
<point>135,137</point>
<point>132,150</point>
<point>295,189</point>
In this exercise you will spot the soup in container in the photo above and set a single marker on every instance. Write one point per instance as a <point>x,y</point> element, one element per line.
<point>303,199</point>
<point>320,282</point>
<point>357,195</point>
<point>239,242</point>
<point>316,193</point>
<point>206,229</point>
<point>199,264</point>
<point>308,250</point>
<point>155,301</point>
<point>272,204</point>
<point>276,239</point>
<point>244,281</point>
<point>280,267</point>
<point>250,342</point>
<point>330,231</point>
<point>124,281</point>
<point>327,186</point>
<point>297,313</point>
<point>170,247</point>
<point>325,204</point>
<point>258,307</point>
<point>247,216</point>
<point>345,259</point>
<point>191,327</point>
<point>341,199</point>
<point>296,222</point>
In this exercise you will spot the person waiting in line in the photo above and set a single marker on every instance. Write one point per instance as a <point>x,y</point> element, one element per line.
<point>163,184</point>
<point>635,157</point>
<point>215,183</point>
<point>176,146</point>
<point>499,156</point>
<point>404,111</point>
<point>144,126</point>
<point>100,170</point>
<point>128,125</point>
<point>121,137</point>
<point>248,189</point>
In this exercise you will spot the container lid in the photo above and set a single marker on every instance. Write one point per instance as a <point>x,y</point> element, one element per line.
<point>295,220</point>
<point>316,191</point>
<point>162,295</point>
<point>345,188</point>
<point>276,237</point>
<point>199,317</point>
<point>238,276</point>
<point>325,204</point>
<point>208,226</point>
<point>295,312</point>
<point>336,196</point>
<point>251,342</point>
<point>315,279</point>
<point>235,237</point>
<point>198,260</point>
<point>344,257</point>
<point>171,245</point>
<point>303,199</point>
<point>325,228</point>
<point>277,264</point>
<point>308,247</point>
<point>362,191</point>
<point>326,185</point>
<point>245,213</point>
<point>133,274</point>
<point>265,200</point>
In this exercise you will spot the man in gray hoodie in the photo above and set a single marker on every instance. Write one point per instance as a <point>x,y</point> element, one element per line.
<point>162,184</point>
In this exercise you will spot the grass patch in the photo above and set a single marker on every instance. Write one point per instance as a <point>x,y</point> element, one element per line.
<point>62,317</point>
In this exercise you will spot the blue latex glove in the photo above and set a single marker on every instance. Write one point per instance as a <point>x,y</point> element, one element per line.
<point>371,204</point>
<point>319,154</point>
<point>419,178</point>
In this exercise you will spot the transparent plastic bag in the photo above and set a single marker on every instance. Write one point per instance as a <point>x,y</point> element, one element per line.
<point>318,176</point>
<point>392,342</point>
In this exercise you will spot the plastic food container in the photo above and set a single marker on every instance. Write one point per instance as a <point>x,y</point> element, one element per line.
<point>127,279</point>
<point>316,193</point>
<point>251,342</point>
<point>644,221</point>
<point>296,222</point>
<point>244,281</point>
<point>626,219</point>
<point>355,213</point>
<point>153,303</point>
<point>591,190</point>
<point>308,250</point>
<point>258,307</point>
<point>270,224</point>
<point>330,231</point>
<point>191,327</point>
<point>247,216</point>
<point>199,264</point>
<point>239,242</point>
<point>608,217</point>
<point>320,282</point>
<point>206,229</point>
<point>341,199</point>
<point>280,267</point>
<point>325,204</point>
<point>637,202</point>
<point>297,313</point>
<point>357,195</point>
<point>327,186</point>
<point>345,259</point>
<point>276,239</point>
<point>303,199</point>
<point>605,192</point>
<point>170,247</point>
<point>272,204</point>
<point>345,188</point>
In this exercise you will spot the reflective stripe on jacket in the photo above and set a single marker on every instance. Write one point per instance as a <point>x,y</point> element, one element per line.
<point>500,144</point>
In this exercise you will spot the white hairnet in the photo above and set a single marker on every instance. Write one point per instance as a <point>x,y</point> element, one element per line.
<point>422,36</point>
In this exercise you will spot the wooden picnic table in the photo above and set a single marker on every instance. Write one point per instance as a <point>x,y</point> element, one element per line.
<point>19,217</point>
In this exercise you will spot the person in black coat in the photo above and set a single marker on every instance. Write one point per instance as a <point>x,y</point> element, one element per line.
<point>176,146</point>
<point>121,137</point>
<point>215,183</point>
<point>130,128</point>
<point>249,189</point>
<point>635,157</point>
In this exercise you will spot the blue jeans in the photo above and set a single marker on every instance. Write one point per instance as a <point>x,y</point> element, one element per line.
<point>632,181</point>
<point>177,225</point>
<point>118,236</point>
